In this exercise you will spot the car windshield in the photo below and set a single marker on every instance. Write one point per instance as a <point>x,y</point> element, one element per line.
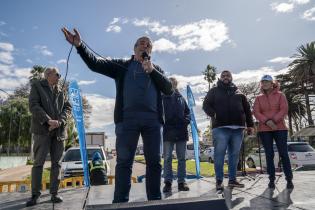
<point>300,148</point>
<point>74,154</point>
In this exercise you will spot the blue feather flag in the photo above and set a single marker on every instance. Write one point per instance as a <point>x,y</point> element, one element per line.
<point>194,129</point>
<point>77,111</point>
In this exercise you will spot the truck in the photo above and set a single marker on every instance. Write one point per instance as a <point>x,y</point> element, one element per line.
<point>95,138</point>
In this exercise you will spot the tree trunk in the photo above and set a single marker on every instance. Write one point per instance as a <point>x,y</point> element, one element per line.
<point>296,125</point>
<point>308,108</point>
<point>290,125</point>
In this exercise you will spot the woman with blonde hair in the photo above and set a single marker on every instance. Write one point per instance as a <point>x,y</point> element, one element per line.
<point>270,109</point>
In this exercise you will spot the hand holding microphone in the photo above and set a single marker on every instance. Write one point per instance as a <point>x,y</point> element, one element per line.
<point>146,63</point>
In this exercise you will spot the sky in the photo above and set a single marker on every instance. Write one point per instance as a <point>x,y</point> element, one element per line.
<point>248,37</point>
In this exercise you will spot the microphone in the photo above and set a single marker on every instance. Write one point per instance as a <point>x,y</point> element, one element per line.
<point>145,56</point>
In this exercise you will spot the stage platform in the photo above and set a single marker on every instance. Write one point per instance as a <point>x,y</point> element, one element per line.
<point>202,195</point>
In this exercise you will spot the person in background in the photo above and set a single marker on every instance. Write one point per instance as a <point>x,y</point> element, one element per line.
<point>97,168</point>
<point>50,110</point>
<point>270,109</point>
<point>175,133</point>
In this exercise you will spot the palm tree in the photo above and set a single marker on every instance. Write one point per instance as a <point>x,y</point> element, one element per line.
<point>209,74</point>
<point>297,108</point>
<point>302,70</point>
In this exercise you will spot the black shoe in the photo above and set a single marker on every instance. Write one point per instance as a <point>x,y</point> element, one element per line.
<point>33,201</point>
<point>56,199</point>
<point>235,183</point>
<point>219,186</point>
<point>167,187</point>
<point>183,186</point>
<point>271,185</point>
<point>290,185</point>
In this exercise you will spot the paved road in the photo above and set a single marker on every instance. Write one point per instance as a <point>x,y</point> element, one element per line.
<point>18,173</point>
<point>137,170</point>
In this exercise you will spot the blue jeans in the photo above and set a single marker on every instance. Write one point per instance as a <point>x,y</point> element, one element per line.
<point>168,147</point>
<point>226,139</point>
<point>127,133</point>
<point>280,138</point>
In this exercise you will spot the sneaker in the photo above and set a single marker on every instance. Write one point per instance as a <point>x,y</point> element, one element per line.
<point>235,183</point>
<point>290,185</point>
<point>167,187</point>
<point>56,198</point>
<point>219,185</point>
<point>32,201</point>
<point>183,187</point>
<point>271,185</point>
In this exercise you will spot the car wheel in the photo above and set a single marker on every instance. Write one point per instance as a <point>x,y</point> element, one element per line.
<point>250,162</point>
<point>210,160</point>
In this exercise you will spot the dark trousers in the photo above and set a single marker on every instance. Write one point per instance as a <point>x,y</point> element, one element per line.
<point>127,135</point>
<point>42,146</point>
<point>280,138</point>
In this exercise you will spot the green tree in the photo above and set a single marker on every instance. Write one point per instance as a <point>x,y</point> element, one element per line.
<point>302,70</point>
<point>297,108</point>
<point>15,124</point>
<point>37,73</point>
<point>209,74</point>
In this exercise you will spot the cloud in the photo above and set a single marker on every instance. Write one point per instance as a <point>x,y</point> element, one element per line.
<point>113,28</point>
<point>29,60</point>
<point>300,2</point>
<point>102,111</point>
<point>164,45</point>
<point>286,7</point>
<point>6,46</point>
<point>2,23</point>
<point>206,34</point>
<point>282,7</point>
<point>12,77</point>
<point>6,50</point>
<point>62,61</point>
<point>85,82</point>
<point>153,26</point>
<point>6,57</point>
<point>3,34</point>
<point>309,14</point>
<point>282,60</point>
<point>42,49</point>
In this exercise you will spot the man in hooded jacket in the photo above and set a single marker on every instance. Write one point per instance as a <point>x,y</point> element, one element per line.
<point>230,114</point>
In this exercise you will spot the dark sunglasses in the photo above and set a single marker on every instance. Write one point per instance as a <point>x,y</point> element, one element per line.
<point>58,75</point>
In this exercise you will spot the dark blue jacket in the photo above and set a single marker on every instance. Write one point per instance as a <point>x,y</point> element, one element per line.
<point>177,117</point>
<point>116,69</point>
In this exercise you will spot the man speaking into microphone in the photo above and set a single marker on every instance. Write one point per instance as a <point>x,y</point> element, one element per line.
<point>138,110</point>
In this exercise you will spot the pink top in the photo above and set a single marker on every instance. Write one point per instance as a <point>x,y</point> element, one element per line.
<point>272,106</point>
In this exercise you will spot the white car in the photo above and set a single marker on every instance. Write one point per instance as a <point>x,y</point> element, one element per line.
<point>208,155</point>
<point>71,163</point>
<point>300,153</point>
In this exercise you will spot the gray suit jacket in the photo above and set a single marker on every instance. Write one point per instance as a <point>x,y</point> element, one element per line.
<point>46,104</point>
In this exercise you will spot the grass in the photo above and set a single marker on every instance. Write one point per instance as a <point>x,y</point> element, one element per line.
<point>206,168</point>
<point>45,176</point>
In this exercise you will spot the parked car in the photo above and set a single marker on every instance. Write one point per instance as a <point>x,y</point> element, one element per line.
<point>300,153</point>
<point>139,150</point>
<point>207,155</point>
<point>71,163</point>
